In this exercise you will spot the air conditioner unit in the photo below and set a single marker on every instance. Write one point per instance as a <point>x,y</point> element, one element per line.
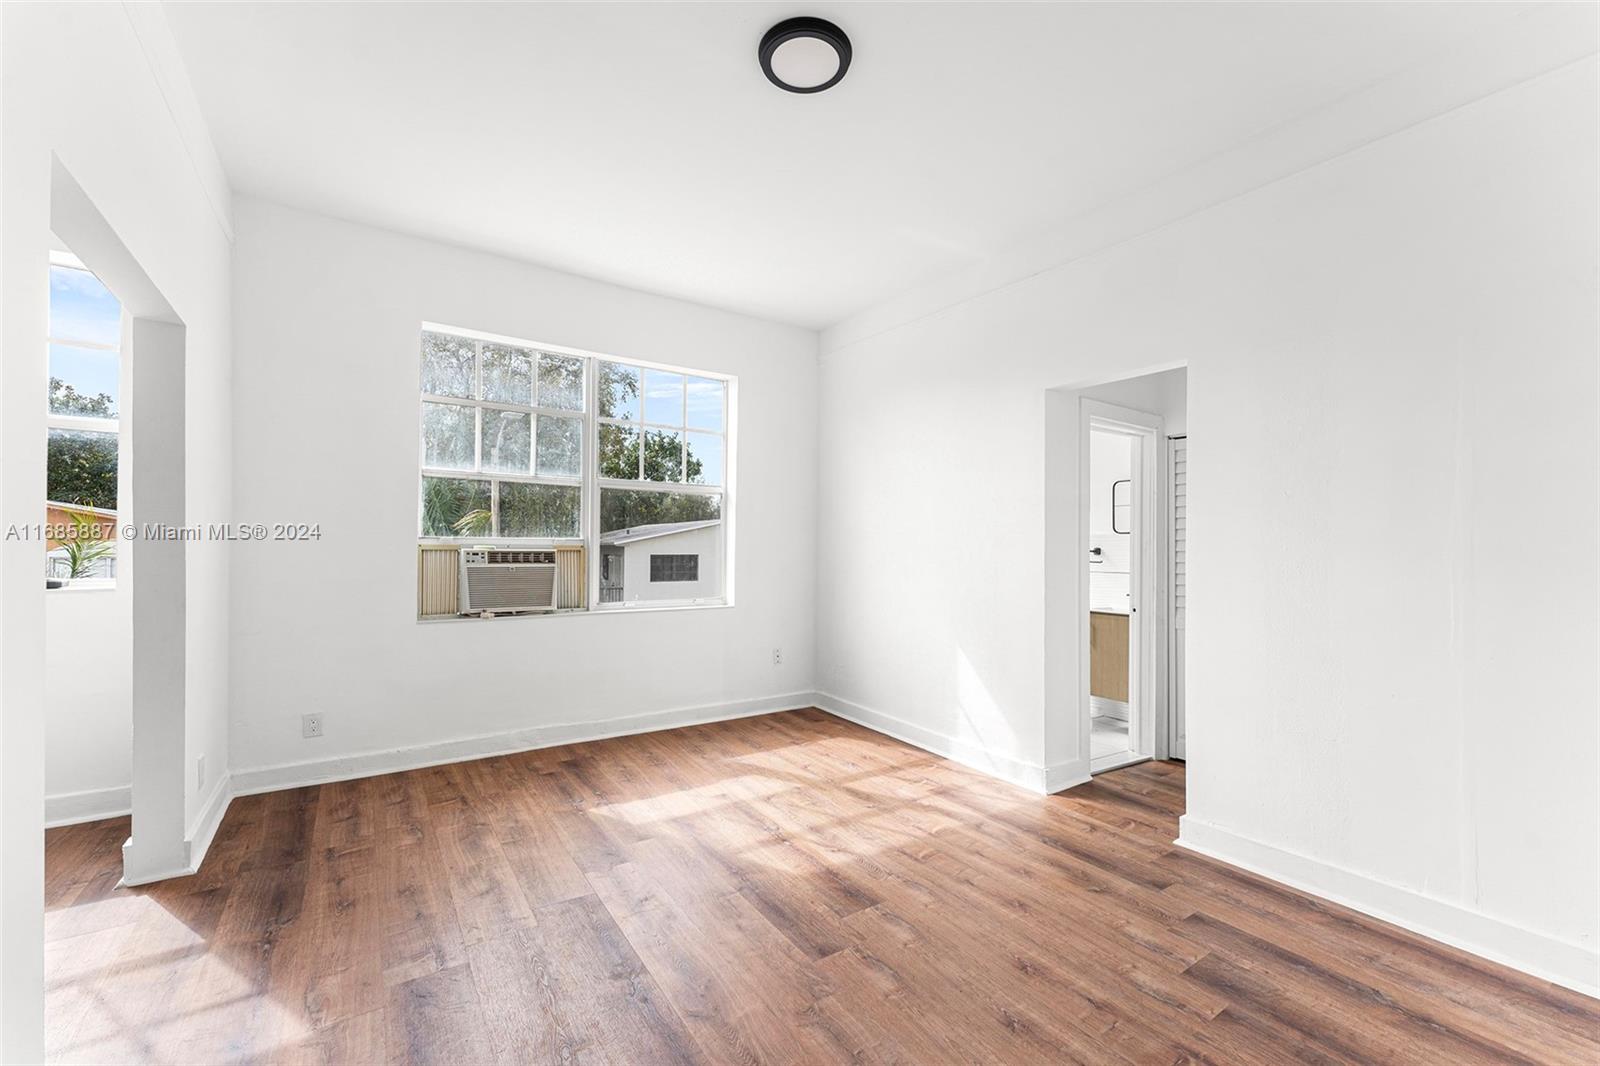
<point>507,580</point>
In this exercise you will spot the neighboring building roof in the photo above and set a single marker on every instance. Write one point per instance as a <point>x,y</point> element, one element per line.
<point>659,529</point>
<point>80,508</point>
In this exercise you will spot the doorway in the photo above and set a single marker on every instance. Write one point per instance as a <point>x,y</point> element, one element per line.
<point>1122,504</point>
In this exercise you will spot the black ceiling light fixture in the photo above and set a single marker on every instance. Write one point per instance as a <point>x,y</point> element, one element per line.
<point>805,55</point>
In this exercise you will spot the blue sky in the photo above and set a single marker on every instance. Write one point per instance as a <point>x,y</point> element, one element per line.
<point>82,309</point>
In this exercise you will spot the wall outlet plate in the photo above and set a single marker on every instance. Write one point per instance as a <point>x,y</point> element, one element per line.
<point>777,656</point>
<point>200,772</point>
<point>310,725</point>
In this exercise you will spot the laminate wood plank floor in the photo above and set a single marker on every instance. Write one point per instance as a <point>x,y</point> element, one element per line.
<point>782,889</point>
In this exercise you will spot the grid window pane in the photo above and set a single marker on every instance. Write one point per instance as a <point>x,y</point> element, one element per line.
<point>704,409</point>
<point>447,430</point>
<point>539,510</point>
<point>704,465</point>
<point>507,441</point>
<point>81,468</point>
<point>456,507</point>
<point>674,568</point>
<point>83,381</point>
<point>663,397</point>
<point>560,382</point>
<point>82,309</point>
<point>663,455</point>
<point>619,391</point>
<point>447,365</point>
<point>507,374</point>
<point>619,452</point>
<point>560,446</point>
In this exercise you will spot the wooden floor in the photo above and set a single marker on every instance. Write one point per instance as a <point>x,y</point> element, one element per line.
<point>788,888</point>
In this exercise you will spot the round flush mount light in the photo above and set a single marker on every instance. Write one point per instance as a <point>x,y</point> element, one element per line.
<point>805,55</point>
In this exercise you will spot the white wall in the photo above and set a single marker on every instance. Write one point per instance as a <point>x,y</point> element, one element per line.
<point>1164,393</point>
<point>88,675</point>
<point>1362,338</point>
<point>94,86</point>
<point>325,431</point>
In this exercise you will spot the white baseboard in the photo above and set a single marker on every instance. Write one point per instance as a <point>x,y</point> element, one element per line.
<point>1064,775</point>
<point>391,760</point>
<point>142,868</point>
<point>90,805</point>
<point>206,822</point>
<point>1561,962</point>
<point>1026,775</point>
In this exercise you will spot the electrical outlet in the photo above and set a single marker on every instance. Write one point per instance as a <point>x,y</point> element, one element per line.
<point>310,725</point>
<point>200,772</point>
<point>777,656</point>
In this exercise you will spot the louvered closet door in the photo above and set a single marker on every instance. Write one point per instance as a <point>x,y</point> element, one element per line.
<point>1178,456</point>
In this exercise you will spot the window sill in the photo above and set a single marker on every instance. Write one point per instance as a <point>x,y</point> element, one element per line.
<point>608,609</point>
<point>85,585</point>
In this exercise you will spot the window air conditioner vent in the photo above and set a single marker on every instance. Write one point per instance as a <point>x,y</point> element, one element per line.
<point>505,581</point>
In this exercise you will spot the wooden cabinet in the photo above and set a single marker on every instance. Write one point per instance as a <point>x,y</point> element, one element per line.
<point>1108,656</point>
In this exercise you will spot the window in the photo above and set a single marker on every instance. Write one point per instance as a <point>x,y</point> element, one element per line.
<point>81,416</point>
<point>674,568</point>
<point>502,440</point>
<point>522,441</point>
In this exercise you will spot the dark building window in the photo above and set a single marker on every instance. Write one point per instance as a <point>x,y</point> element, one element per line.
<point>674,568</point>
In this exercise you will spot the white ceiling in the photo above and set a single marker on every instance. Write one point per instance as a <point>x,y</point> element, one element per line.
<point>641,144</point>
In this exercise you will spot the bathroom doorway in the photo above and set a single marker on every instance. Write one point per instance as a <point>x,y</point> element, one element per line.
<point>1123,505</point>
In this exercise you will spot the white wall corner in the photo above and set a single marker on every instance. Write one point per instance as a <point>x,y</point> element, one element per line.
<point>161,51</point>
<point>1058,777</point>
<point>1573,966</point>
<point>1026,775</point>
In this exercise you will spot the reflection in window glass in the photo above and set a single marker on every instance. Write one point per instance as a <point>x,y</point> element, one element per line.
<point>539,510</point>
<point>704,409</point>
<point>619,391</point>
<point>507,441</point>
<point>447,365</point>
<point>456,507</point>
<point>663,397</point>
<point>83,381</point>
<point>560,382</point>
<point>663,455</point>
<point>507,374</point>
<point>447,430</point>
<point>560,446</point>
<point>619,452</point>
<point>704,463</point>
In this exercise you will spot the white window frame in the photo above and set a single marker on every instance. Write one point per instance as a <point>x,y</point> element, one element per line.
<point>85,423</point>
<point>590,483</point>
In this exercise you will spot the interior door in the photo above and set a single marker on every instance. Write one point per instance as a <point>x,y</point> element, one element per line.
<point>1178,464</point>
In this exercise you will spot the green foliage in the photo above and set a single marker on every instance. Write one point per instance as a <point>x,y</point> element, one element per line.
<point>81,468</point>
<point>447,501</point>
<point>476,523</point>
<point>66,400</point>
<point>627,508</point>
<point>539,510</point>
<point>86,547</point>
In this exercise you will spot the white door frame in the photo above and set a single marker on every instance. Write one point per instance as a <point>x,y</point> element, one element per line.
<point>1147,620</point>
